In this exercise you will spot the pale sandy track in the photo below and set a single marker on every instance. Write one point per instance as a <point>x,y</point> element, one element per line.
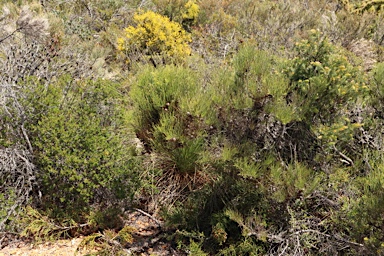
<point>57,248</point>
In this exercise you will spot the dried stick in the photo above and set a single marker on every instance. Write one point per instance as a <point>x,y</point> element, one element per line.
<point>149,216</point>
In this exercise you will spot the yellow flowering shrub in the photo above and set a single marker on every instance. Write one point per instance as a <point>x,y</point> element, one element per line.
<point>190,14</point>
<point>363,6</point>
<point>339,131</point>
<point>191,11</point>
<point>323,80</point>
<point>323,87</point>
<point>155,34</point>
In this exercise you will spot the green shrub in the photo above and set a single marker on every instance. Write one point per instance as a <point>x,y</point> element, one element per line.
<point>159,91</point>
<point>322,81</point>
<point>166,117</point>
<point>257,78</point>
<point>251,66</point>
<point>377,88</point>
<point>195,249</point>
<point>79,146</point>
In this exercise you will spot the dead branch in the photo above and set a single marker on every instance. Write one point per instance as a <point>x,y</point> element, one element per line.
<point>17,173</point>
<point>149,216</point>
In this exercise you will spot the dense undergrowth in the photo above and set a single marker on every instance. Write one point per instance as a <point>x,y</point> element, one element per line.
<point>249,127</point>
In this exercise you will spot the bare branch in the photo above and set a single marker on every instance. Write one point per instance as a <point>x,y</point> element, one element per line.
<point>149,216</point>
<point>17,176</point>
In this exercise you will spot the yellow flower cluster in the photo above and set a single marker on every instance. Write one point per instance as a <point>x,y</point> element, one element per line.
<point>191,11</point>
<point>156,34</point>
<point>328,65</point>
<point>337,132</point>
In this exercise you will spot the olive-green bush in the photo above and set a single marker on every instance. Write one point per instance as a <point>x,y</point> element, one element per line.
<point>80,146</point>
<point>323,80</point>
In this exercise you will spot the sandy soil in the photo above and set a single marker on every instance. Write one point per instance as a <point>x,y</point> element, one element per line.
<point>148,240</point>
<point>57,248</point>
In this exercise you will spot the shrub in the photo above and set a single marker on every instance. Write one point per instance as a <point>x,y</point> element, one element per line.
<point>166,117</point>
<point>155,34</point>
<point>323,79</point>
<point>257,73</point>
<point>158,91</point>
<point>377,87</point>
<point>181,150</point>
<point>362,207</point>
<point>190,14</point>
<point>79,147</point>
<point>184,12</point>
<point>324,87</point>
<point>191,10</point>
<point>172,9</point>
